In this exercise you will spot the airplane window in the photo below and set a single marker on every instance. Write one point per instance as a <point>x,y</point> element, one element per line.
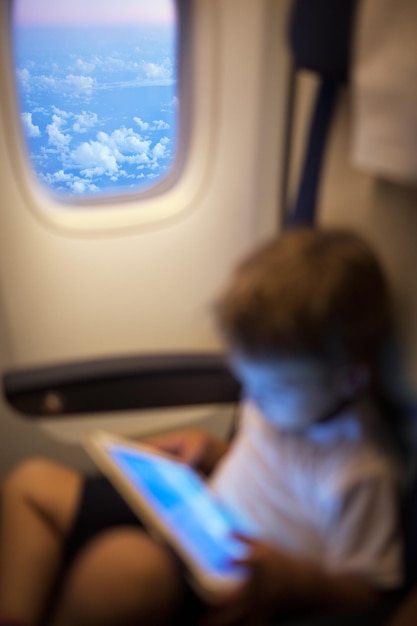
<point>97,86</point>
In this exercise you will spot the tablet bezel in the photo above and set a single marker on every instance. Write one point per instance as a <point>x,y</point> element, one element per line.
<point>207,584</point>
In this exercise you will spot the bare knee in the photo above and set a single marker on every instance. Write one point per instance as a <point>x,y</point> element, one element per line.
<point>50,488</point>
<point>123,577</point>
<point>19,480</point>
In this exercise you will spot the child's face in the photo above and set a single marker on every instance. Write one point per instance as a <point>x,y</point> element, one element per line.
<point>291,393</point>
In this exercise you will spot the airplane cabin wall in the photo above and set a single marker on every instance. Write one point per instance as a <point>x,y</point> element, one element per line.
<point>383,211</point>
<point>386,213</point>
<point>71,289</point>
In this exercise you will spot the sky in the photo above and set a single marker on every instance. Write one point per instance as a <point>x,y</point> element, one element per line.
<point>98,108</point>
<point>90,12</point>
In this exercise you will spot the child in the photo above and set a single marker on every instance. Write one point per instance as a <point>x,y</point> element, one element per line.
<point>311,468</point>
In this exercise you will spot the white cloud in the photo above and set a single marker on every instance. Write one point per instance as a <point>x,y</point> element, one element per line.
<point>120,154</point>
<point>84,121</point>
<point>84,66</point>
<point>125,140</point>
<point>79,186</point>
<point>108,152</point>
<point>117,64</point>
<point>60,112</point>
<point>159,125</point>
<point>24,78</point>
<point>156,124</point>
<point>56,137</point>
<point>31,129</point>
<point>142,125</point>
<point>45,82</point>
<point>157,71</point>
<point>94,158</point>
<point>159,150</point>
<point>70,181</point>
<point>80,85</point>
<point>61,176</point>
<point>57,177</point>
<point>137,159</point>
<point>42,110</point>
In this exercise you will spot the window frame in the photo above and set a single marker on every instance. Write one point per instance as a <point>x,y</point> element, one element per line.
<point>165,200</point>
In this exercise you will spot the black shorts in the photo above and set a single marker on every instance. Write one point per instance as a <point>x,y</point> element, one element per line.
<point>101,508</point>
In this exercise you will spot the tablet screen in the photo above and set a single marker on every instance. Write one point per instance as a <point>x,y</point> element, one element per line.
<point>200,523</point>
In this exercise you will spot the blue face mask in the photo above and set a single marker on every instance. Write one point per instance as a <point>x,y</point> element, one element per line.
<point>293,393</point>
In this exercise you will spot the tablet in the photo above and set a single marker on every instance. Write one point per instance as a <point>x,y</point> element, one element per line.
<point>172,500</point>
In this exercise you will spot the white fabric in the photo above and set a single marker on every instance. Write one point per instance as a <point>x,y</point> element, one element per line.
<point>331,495</point>
<point>384,89</point>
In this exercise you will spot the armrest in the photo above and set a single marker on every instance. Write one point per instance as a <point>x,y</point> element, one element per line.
<point>118,384</point>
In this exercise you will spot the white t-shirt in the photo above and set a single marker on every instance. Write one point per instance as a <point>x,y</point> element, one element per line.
<point>330,494</point>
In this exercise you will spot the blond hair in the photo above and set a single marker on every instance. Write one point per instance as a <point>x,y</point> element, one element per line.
<point>320,293</point>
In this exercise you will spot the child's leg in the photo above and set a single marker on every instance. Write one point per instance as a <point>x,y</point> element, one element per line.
<point>38,502</point>
<point>122,578</point>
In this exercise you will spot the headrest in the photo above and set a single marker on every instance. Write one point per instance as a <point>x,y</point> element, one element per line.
<point>320,36</point>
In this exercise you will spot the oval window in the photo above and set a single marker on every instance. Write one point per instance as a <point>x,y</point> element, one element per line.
<point>97,85</point>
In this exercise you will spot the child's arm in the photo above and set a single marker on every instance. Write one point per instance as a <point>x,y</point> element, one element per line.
<point>364,536</point>
<point>279,582</point>
<point>282,581</point>
<point>197,448</point>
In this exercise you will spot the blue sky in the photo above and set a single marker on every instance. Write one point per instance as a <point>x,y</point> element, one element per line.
<point>98,104</point>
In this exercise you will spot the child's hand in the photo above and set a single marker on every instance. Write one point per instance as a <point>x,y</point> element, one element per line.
<point>279,581</point>
<point>195,447</point>
<point>267,590</point>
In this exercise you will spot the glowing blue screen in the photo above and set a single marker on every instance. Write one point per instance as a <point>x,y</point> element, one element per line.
<point>186,506</point>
